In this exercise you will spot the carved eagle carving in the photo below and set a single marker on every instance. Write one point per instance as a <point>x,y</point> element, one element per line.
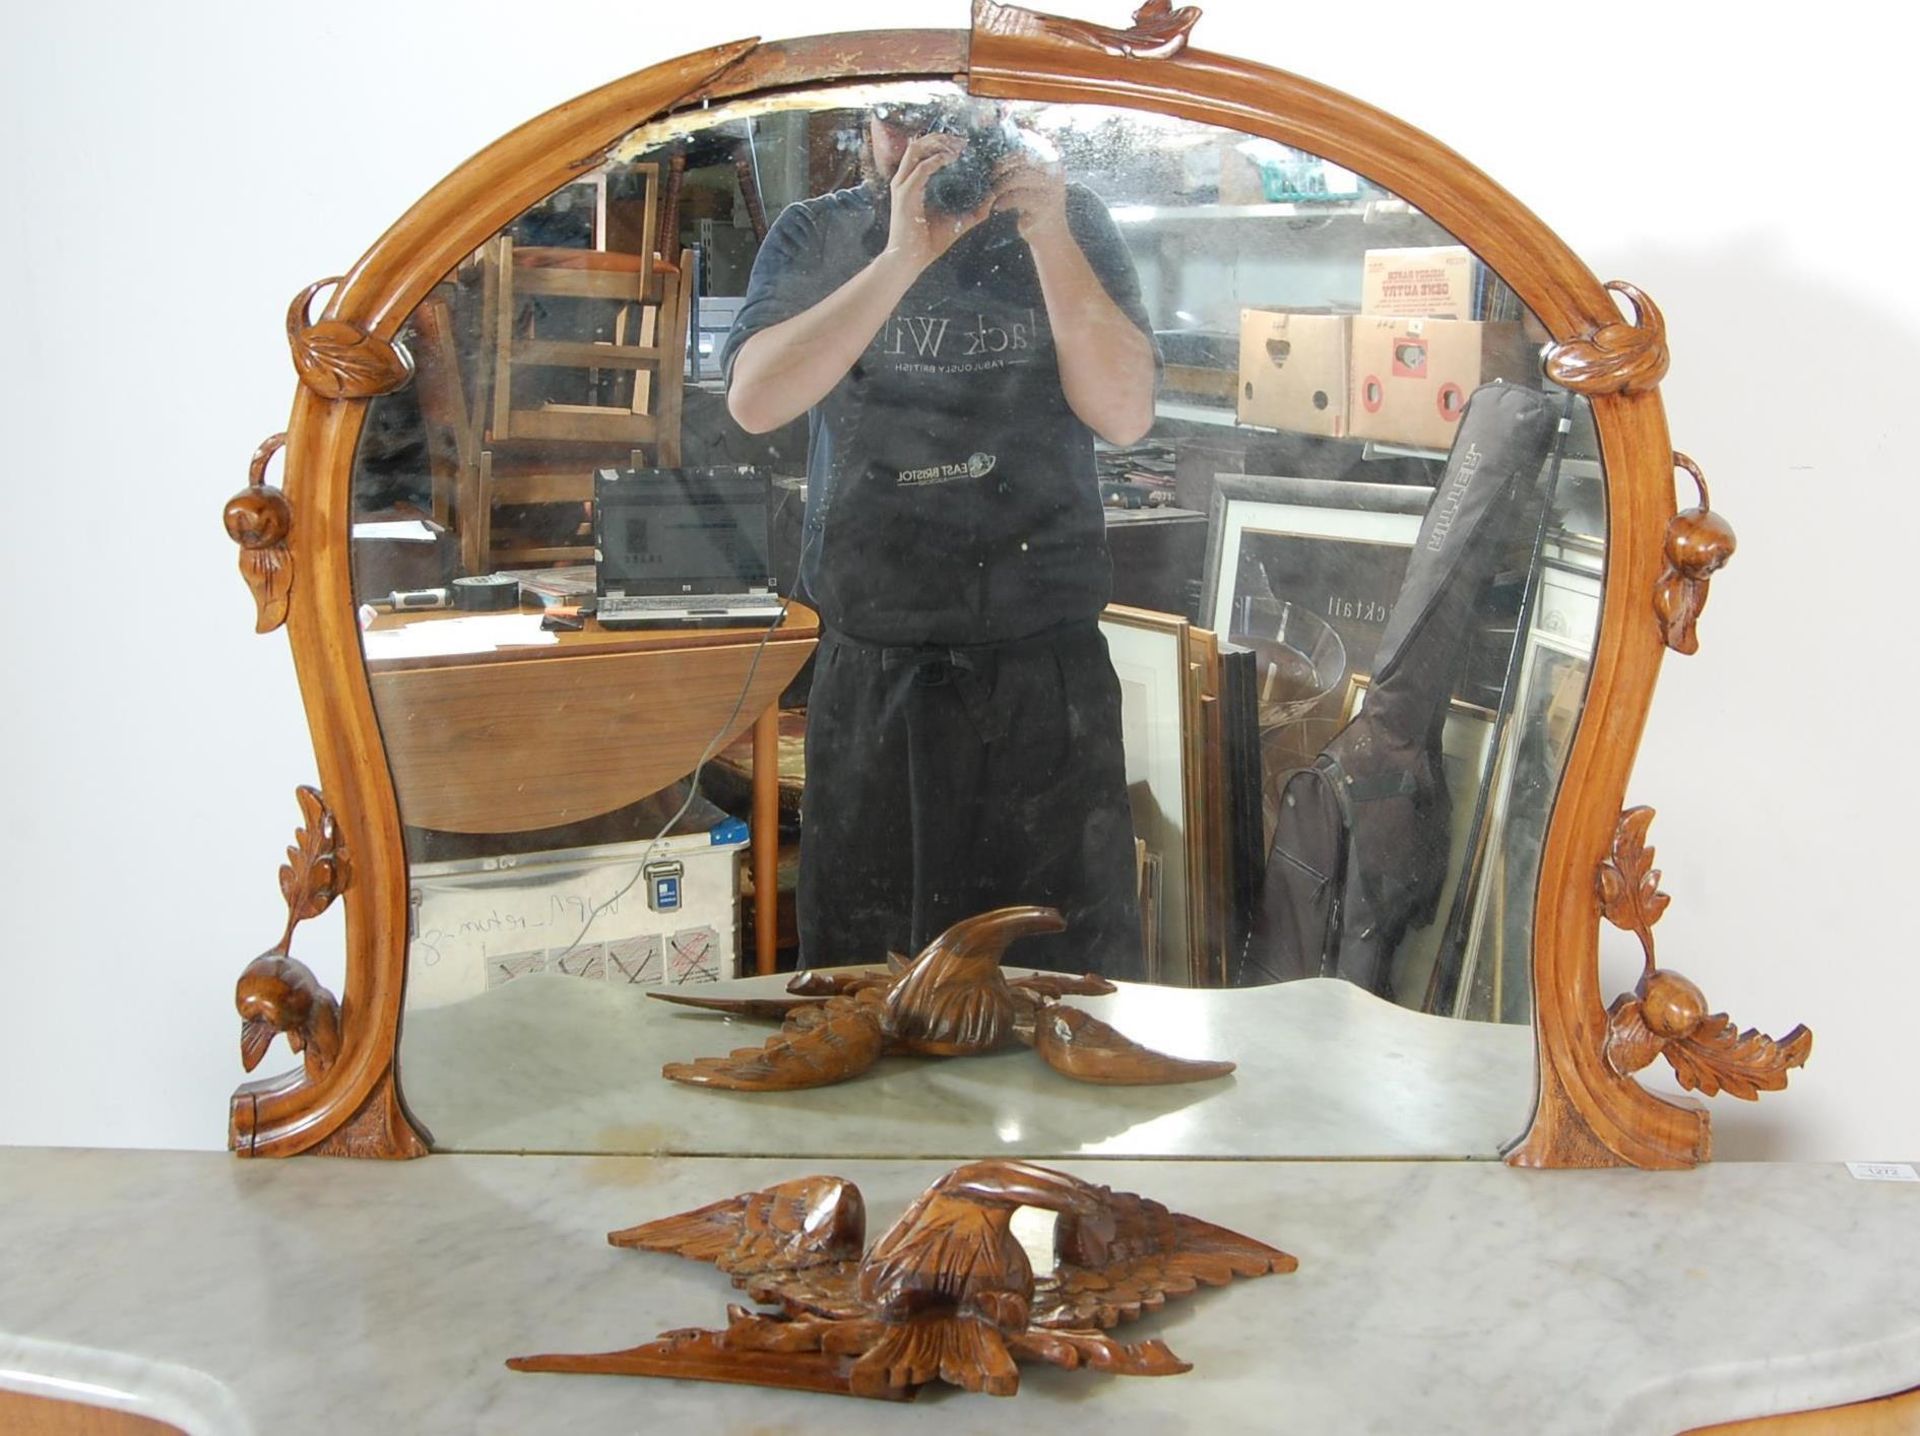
<point>946,1294</point>
<point>952,1000</point>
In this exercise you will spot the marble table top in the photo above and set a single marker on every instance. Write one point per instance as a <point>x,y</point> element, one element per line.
<point>552,1064</point>
<point>1445,1297</point>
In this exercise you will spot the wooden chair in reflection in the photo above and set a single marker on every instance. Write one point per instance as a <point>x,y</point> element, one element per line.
<point>585,350</point>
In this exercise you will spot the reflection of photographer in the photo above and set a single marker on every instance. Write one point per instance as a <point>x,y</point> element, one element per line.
<point>958,330</point>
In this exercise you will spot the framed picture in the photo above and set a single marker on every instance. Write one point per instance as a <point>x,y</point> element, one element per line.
<point>1159,716</point>
<point>1466,751</point>
<point>1305,573</point>
<point>1496,979</point>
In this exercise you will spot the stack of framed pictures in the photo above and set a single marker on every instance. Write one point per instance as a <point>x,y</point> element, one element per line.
<point>1303,573</point>
<point>1187,732</point>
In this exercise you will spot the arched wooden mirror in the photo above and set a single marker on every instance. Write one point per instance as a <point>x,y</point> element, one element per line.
<point>1157,495</point>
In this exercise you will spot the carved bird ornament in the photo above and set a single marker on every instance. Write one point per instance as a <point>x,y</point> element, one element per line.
<point>946,1294</point>
<point>950,1001</point>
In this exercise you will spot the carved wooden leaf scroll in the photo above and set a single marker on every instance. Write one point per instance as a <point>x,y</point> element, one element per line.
<point>1710,1055</point>
<point>259,518</point>
<point>1699,543</point>
<point>315,872</point>
<point>339,360</point>
<point>1718,1057</point>
<point>1631,1044</point>
<point>1615,358</point>
<point>1628,882</point>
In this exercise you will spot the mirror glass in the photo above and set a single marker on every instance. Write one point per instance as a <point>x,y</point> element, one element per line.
<point>849,514</point>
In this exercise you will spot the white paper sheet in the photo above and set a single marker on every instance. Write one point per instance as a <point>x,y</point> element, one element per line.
<point>404,530</point>
<point>482,633</point>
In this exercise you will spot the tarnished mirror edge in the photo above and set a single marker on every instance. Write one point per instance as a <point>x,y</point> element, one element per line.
<point>1586,1114</point>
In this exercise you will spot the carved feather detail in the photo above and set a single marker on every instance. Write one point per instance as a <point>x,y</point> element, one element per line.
<point>1073,1349</point>
<point>798,1225</point>
<point>1051,986</point>
<point>817,1045</point>
<point>1615,358</point>
<point>339,360</point>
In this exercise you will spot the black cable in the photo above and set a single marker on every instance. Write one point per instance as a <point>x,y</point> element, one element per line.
<point>693,779</point>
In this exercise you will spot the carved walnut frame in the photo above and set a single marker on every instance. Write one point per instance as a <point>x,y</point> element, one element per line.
<point>1589,1111</point>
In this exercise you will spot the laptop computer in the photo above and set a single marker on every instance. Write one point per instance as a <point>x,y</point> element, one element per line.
<point>682,548</point>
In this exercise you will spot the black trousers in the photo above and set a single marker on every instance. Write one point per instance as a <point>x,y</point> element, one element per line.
<point>943,782</point>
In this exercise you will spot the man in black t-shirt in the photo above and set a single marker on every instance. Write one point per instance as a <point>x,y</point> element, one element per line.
<point>963,743</point>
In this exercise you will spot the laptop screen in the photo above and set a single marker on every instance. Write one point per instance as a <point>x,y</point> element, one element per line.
<point>670,531</point>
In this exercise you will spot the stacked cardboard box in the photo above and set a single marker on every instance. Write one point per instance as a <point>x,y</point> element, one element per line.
<point>1421,346</point>
<point>1411,378</point>
<point>1400,372</point>
<point>1293,371</point>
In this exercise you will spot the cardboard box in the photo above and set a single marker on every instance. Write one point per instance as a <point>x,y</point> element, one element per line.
<point>1432,283</point>
<point>1293,371</point>
<point>1412,377</point>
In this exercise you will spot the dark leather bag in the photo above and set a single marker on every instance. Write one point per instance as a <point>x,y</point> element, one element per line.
<point>1359,854</point>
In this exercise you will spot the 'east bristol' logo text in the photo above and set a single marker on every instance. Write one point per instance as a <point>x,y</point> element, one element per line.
<point>976,467</point>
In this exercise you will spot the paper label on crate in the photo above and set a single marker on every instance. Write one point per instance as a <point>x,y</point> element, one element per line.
<point>693,956</point>
<point>1436,282</point>
<point>634,959</point>
<point>1883,1172</point>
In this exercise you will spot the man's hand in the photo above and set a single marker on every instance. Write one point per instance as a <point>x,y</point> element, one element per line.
<point>1034,189</point>
<point>915,233</point>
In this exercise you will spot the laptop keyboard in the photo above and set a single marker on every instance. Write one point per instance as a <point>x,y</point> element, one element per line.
<point>662,602</point>
<point>751,604</point>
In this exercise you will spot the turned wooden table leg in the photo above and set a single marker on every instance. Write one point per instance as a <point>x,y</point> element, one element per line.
<point>766,837</point>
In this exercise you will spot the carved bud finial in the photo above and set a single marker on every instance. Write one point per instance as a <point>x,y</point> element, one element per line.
<point>1615,358</point>
<point>1699,543</point>
<point>259,518</point>
<point>339,360</point>
<point>277,993</point>
<point>1666,1015</point>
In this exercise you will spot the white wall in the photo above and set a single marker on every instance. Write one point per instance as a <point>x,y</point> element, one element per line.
<point>175,173</point>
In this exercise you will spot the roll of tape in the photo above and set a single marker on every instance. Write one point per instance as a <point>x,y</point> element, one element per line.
<point>486,593</point>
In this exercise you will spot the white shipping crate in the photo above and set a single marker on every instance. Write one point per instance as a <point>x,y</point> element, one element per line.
<point>651,914</point>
